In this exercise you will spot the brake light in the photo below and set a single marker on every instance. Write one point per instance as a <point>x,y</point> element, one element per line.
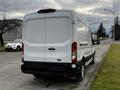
<point>74,52</point>
<point>22,52</point>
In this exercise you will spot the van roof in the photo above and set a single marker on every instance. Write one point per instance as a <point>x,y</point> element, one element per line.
<point>51,10</point>
<point>54,10</point>
<point>31,15</point>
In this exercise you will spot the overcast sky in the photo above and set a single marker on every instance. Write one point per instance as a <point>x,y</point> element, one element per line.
<point>91,10</point>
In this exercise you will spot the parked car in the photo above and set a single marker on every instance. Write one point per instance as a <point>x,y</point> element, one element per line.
<point>95,40</point>
<point>56,42</point>
<point>16,45</point>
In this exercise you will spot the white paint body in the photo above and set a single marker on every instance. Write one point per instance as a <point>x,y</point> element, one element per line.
<point>56,30</point>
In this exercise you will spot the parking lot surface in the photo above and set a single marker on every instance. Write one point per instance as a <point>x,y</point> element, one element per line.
<point>11,77</point>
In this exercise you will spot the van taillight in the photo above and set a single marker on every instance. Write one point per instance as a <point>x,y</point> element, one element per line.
<point>22,52</point>
<point>74,52</point>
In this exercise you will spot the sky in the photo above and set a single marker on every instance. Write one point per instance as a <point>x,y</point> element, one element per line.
<point>91,10</point>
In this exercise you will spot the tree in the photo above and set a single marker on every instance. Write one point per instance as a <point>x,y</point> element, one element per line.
<point>101,31</point>
<point>117,29</point>
<point>5,26</point>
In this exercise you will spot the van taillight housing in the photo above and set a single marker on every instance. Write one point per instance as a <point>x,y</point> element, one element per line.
<point>22,52</point>
<point>74,52</point>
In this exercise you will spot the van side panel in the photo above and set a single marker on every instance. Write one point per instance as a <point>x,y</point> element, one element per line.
<point>83,36</point>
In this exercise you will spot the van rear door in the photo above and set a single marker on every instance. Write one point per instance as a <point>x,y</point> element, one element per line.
<point>35,40</point>
<point>48,39</point>
<point>58,39</point>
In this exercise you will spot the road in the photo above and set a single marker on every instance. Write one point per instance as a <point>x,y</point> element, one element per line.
<point>108,41</point>
<point>11,77</point>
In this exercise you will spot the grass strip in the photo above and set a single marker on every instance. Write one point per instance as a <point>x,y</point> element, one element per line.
<point>108,78</point>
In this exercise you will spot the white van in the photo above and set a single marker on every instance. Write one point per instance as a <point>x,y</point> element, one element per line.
<point>56,42</point>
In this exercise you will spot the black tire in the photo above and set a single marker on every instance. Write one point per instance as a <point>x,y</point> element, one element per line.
<point>93,60</point>
<point>81,73</point>
<point>37,76</point>
<point>18,48</point>
<point>7,50</point>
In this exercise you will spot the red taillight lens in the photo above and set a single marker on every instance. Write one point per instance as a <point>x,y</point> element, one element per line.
<point>74,46</point>
<point>74,52</point>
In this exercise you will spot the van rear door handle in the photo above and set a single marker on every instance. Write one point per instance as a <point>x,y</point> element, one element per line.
<point>51,49</point>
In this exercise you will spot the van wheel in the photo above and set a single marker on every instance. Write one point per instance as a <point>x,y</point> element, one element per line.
<point>80,76</point>
<point>18,48</point>
<point>93,60</point>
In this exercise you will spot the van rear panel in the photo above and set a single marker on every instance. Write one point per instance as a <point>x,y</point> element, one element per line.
<point>48,38</point>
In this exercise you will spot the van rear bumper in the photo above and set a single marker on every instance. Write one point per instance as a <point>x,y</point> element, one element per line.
<point>47,68</point>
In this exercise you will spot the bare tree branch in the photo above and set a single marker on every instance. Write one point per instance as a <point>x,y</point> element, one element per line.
<point>7,25</point>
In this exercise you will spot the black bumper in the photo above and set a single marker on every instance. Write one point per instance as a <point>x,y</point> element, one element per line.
<point>47,68</point>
